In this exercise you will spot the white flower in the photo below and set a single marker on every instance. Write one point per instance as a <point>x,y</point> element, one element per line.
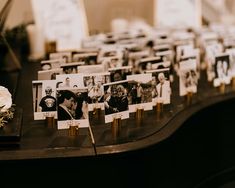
<point>5,99</point>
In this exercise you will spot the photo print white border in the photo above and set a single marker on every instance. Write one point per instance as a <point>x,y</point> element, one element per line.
<point>123,114</point>
<point>92,106</point>
<point>69,81</point>
<point>188,66</point>
<point>140,79</point>
<point>38,94</point>
<point>166,98</point>
<point>81,123</point>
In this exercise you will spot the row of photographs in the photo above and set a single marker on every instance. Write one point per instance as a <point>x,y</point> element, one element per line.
<point>77,94</point>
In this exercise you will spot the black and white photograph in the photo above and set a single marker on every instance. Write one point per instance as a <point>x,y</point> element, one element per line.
<point>69,81</point>
<point>161,87</point>
<point>120,73</point>
<point>111,62</point>
<point>90,69</point>
<point>65,56</point>
<point>94,83</point>
<point>188,77</point>
<point>87,58</point>
<point>221,69</point>
<point>72,108</point>
<point>116,101</point>
<point>140,92</point>
<point>152,63</point>
<point>44,98</point>
<point>71,68</point>
<point>231,53</point>
<point>51,64</point>
<point>49,74</point>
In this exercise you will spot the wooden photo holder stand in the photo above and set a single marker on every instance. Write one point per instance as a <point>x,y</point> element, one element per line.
<point>73,130</point>
<point>189,97</point>
<point>139,113</point>
<point>96,112</point>
<point>116,127</point>
<point>222,88</point>
<point>50,121</point>
<point>233,83</point>
<point>159,109</point>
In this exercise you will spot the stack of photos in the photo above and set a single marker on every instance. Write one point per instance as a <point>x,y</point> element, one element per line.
<point>116,101</point>
<point>188,78</point>
<point>94,83</point>
<point>221,69</point>
<point>140,92</point>
<point>44,99</point>
<point>161,88</point>
<point>72,108</point>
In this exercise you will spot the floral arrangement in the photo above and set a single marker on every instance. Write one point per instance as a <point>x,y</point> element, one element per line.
<point>6,107</point>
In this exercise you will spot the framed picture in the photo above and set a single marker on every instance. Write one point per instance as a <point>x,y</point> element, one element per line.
<point>51,64</point>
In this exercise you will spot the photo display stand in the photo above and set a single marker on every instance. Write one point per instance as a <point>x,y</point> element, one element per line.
<point>116,125</point>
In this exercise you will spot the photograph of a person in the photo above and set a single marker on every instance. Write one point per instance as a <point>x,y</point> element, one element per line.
<point>161,88</point>
<point>188,76</point>
<point>44,98</point>
<point>69,81</point>
<point>140,92</point>
<point>87,58</point>
<point>49,74</point>
<point>66,57</point>
<point>120,73</point>
<point>116,101</point>
<point>72,107</point>
<point>151,63</point>
<point>222,65</point>
<point>94,83</point>
<point>51,64</point>
<point>71,68</point>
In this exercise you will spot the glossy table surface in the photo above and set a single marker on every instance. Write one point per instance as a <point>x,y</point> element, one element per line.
<point>38,141</point>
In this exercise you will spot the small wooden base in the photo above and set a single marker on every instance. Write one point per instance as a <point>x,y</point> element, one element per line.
<point>50,122</point>
<point>73,130</point>
<point>189,98</point>
<point>116,127</point>
<point>222,88</point>
<point>139,113</point>
<point>159,107</point>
